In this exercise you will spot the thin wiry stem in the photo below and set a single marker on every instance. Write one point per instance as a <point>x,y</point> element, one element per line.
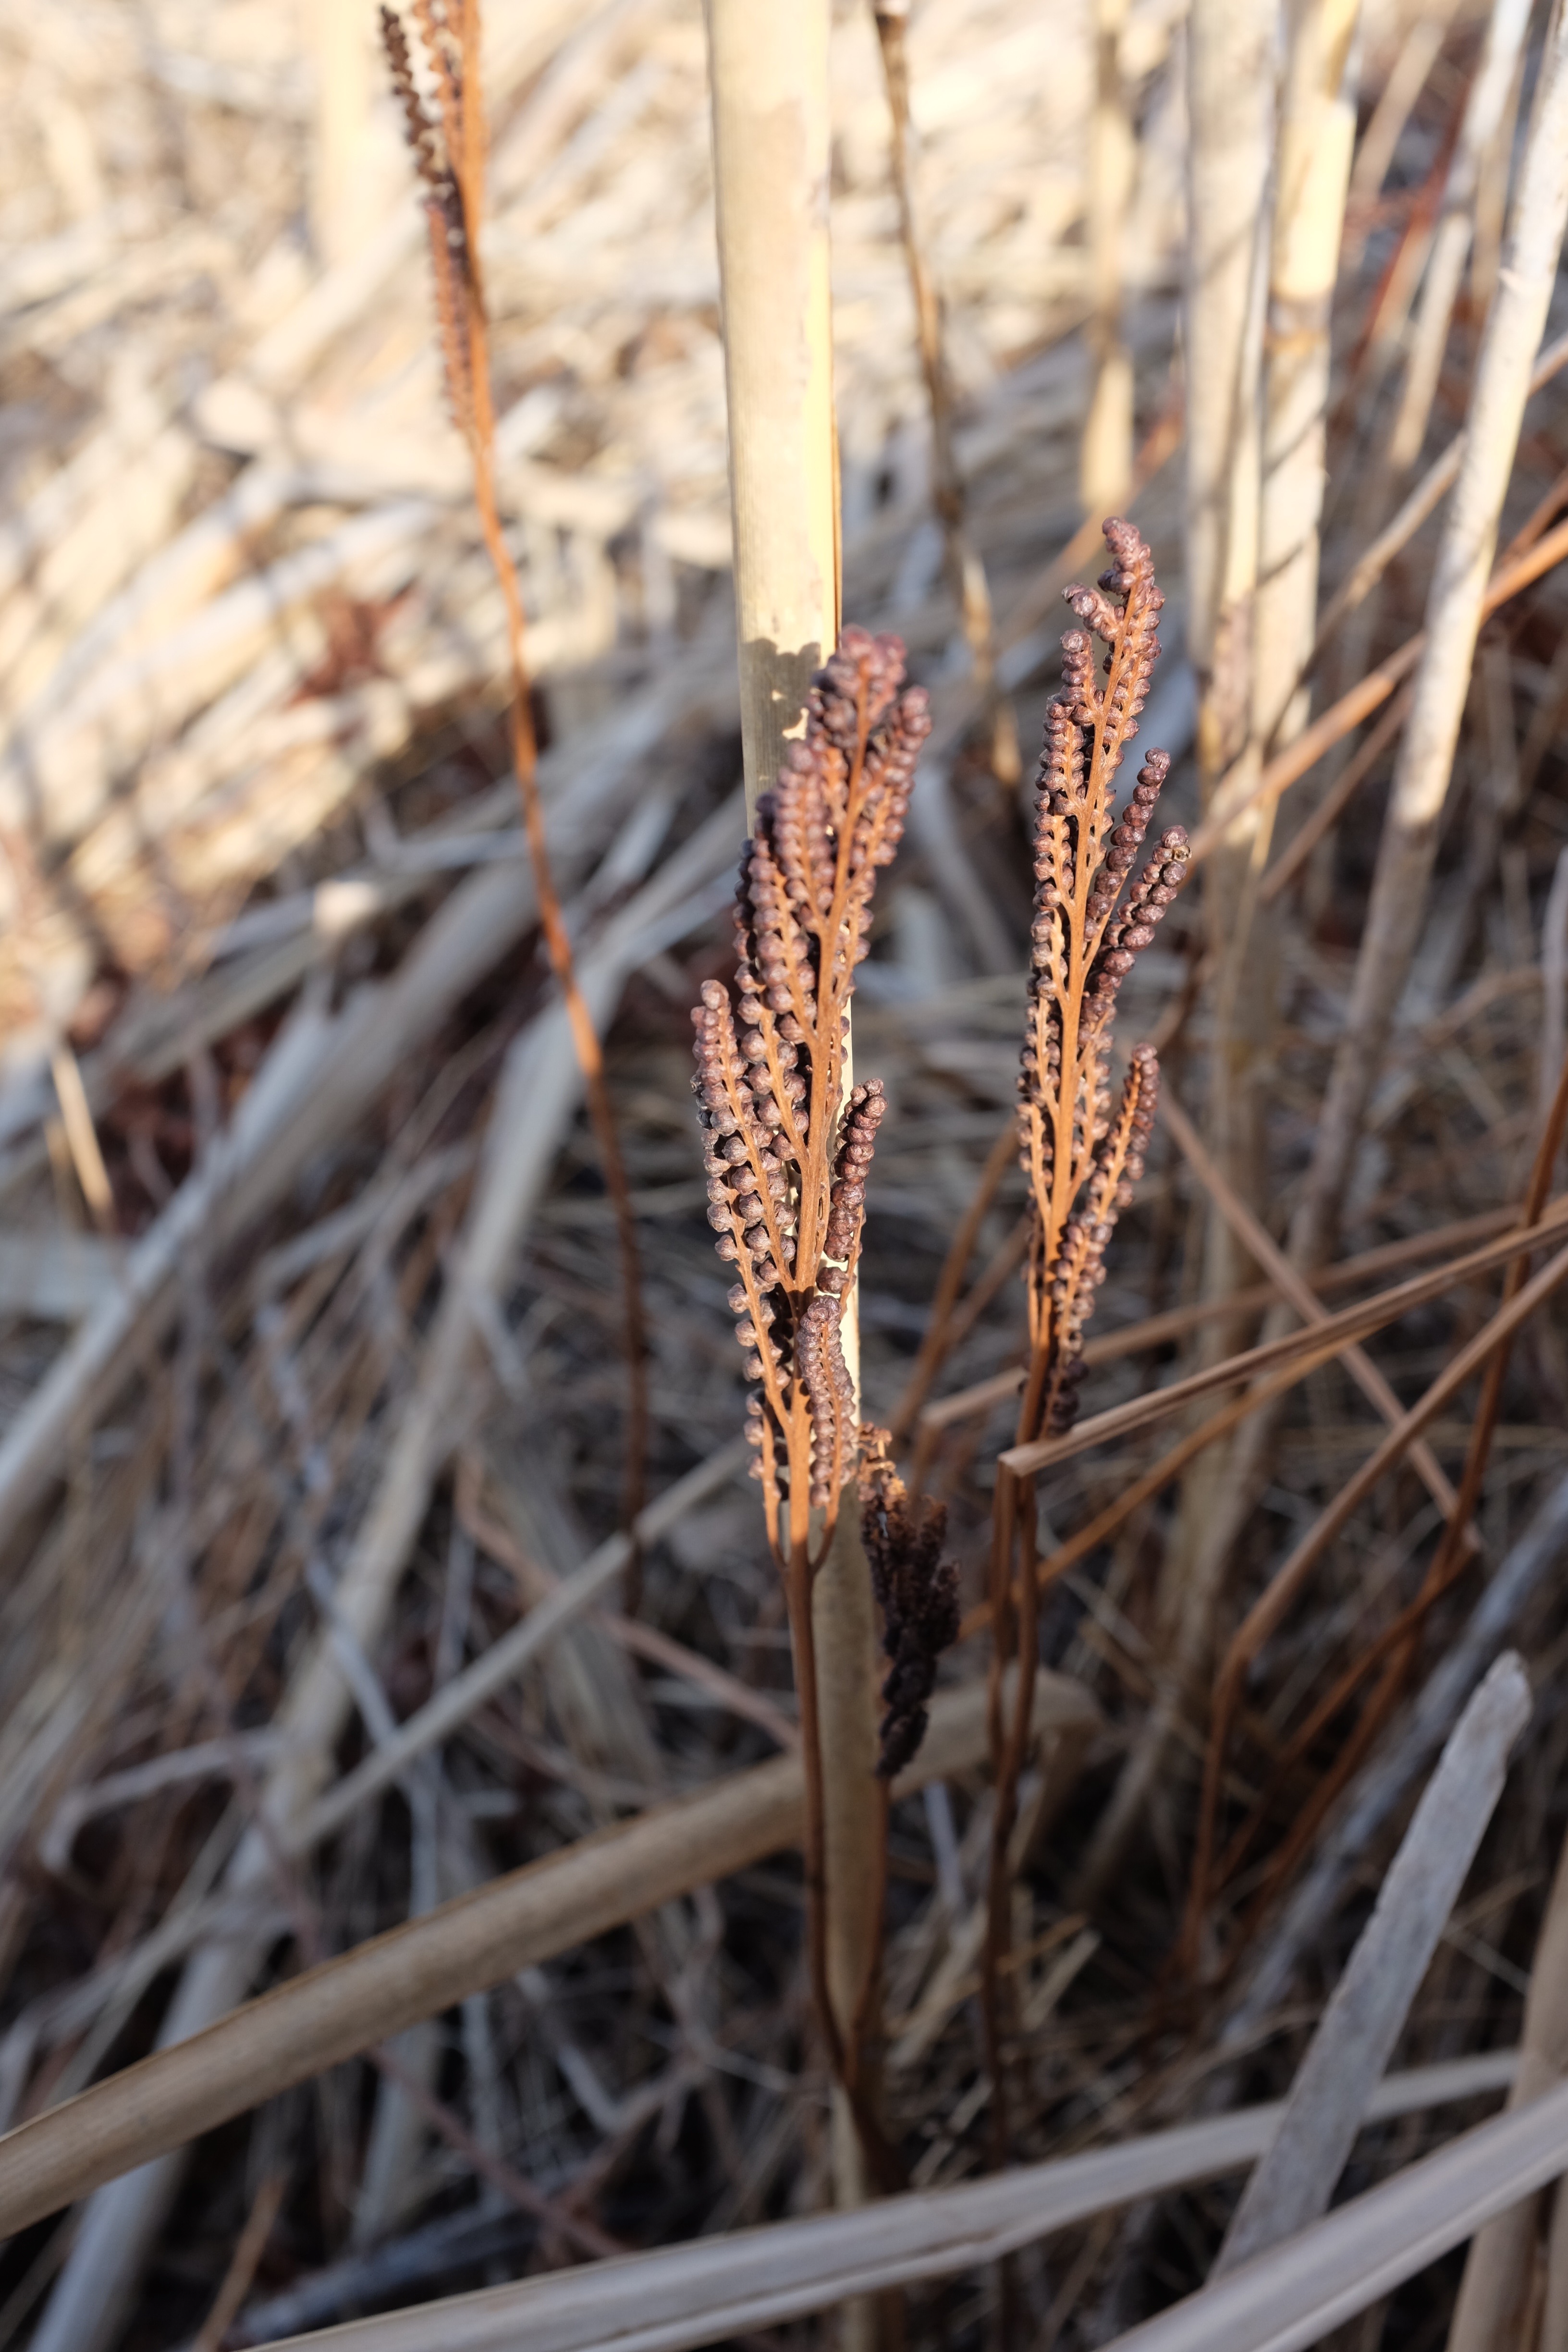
<point>448,150</point>
<point>1080,1159</point>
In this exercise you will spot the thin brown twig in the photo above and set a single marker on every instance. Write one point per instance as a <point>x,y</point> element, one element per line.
<point>938,1339</point>
<point>1508,580</point>
<point>1394,1650</point>
<point>455,205</point>
<point>965,566</point>
<point>1175,1322</point>
<point>1320,1344</point>
<point>1268,1610</point>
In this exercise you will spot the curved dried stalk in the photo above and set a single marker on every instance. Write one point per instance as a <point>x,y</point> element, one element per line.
<point>448,150</point>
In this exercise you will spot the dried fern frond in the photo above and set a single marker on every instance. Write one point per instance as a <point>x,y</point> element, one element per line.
<point>788,1155</point>
<point>439,144</point>
<point>1083,1161</point>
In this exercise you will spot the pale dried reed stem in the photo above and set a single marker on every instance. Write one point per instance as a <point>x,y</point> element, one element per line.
<point>771,136</point>
<point>1487,117</point>
<point>1105,459</point>
<point>1455,606</point>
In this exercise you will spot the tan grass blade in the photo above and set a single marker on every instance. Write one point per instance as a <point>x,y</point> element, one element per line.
<point>331,2013</point>
<point>1364,2017</point>
<point>701,2292</point>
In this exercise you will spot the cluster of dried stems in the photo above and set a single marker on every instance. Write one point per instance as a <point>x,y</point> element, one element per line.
<point>1282,1701</point>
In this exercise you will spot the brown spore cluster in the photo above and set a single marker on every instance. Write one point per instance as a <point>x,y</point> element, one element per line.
<point>788,1145</point>
<point>1089,927</point>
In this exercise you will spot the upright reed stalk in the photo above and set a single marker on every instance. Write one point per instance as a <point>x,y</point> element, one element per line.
<point>448,143</point>
<point>1105,462</point>
<point>808,873</point>
<point>1486,115</point>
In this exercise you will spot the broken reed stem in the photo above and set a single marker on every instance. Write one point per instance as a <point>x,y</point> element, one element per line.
<point>967,569</point>
<point>448,150</point>
<point>1082,1160</point>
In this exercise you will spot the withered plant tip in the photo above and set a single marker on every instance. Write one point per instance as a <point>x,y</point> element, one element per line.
<point>787,1153</point>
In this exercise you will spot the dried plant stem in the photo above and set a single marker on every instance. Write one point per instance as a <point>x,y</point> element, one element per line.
<point>1266,1613</point>
<point>965,567</point>
<point>1486,119</point>
<point>1493,2291</point>
<point>1365,2016</point>
<point>1231,101</point>
<point>1317,130</point>
<point>938,1340</point>
<point>771,132</point>
<point>1513,574</point>
<point>769,70</point>
<point>1454,609</point>
<point>460,303</point>
<point>415,1970</point>
<point>1105,461</point>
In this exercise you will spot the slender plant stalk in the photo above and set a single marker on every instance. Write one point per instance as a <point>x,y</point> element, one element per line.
<point>1393,1655</point>
<point>1493,2292</point>
<point>1316,132</point>
<point>1267,1614</point>
<point>1455,607</point>
<point>1080,1157</point>
<point>965,567</point>
<point>449,149</point>
<point>938,1341</point>
<point>769,72</point>
<point>1486,118</point>
<point>1105,457</point>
